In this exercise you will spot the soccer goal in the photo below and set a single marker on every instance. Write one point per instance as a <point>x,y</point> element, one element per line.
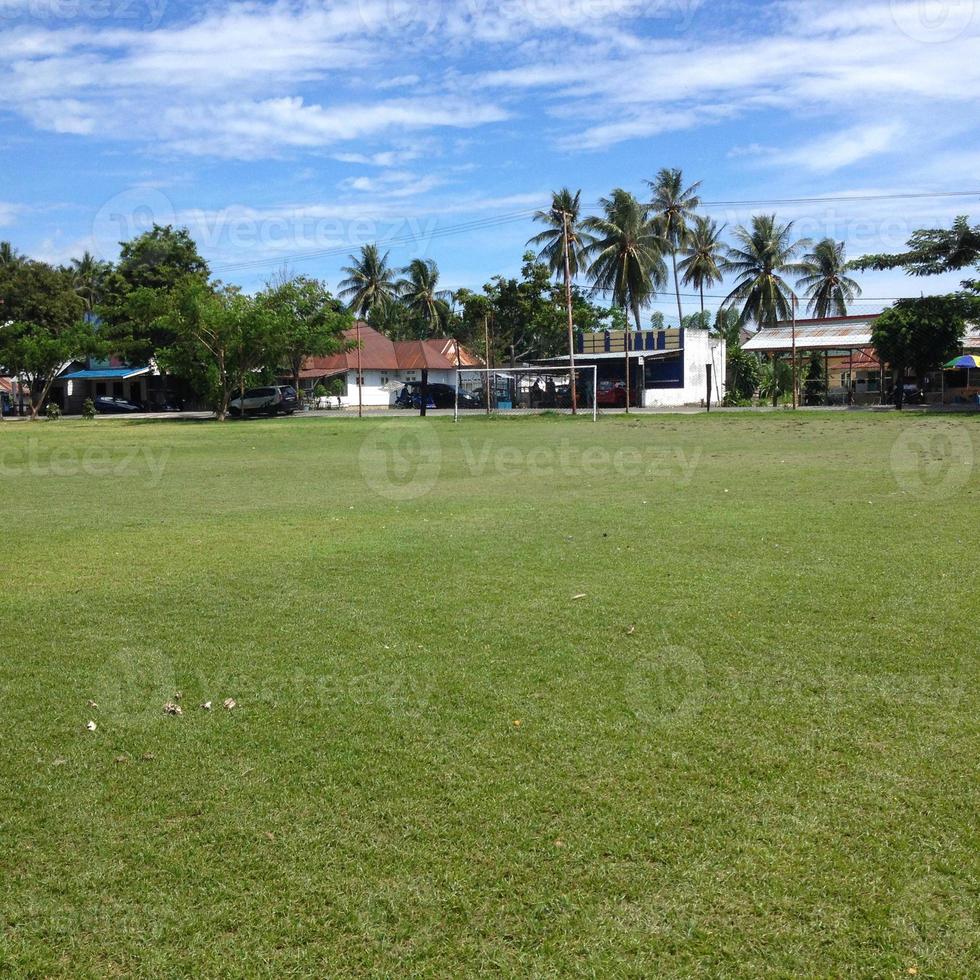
<point>525,389</point>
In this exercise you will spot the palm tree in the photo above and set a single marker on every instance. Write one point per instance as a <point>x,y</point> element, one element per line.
<point>88,276</point>
<point>626,252</point>
<point>563,246</point>
<point>369,285</point>
<point>705,255</point>
<point>627,257</point>
<point>674,205</point>
<point>9,255</point>
<point>825,283</point>
<point>762,256</point>
<point>425,302</point>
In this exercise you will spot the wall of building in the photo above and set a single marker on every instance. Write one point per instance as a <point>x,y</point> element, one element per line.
<point>374,393</point>
<point>700,349</point>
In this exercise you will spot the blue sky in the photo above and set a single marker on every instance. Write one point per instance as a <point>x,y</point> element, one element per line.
<point>290,133</point>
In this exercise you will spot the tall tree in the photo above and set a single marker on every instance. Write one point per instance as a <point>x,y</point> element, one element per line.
<point>674,205</point>
<point>426,303</point>
<point>563,247</point>
<point>626,252</point>
<point>920,334</point>
<point>313,320</point>
<point>825,281</point>
<point>705,254</point>
<point>369,286</point>
<point>762,257</point>
<point>222,339</point>
<point>9,255</point>
<point>43,326</point>
<point>89,277</point>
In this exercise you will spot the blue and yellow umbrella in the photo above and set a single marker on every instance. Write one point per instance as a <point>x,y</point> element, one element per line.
<point>964,361</point>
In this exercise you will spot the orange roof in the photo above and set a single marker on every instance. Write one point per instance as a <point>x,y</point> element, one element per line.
<point>378,353</point>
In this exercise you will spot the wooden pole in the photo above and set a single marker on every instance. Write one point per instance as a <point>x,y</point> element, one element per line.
<point>794,353</point>
<point>486,348</point>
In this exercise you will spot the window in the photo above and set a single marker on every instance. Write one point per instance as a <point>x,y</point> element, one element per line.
<point>874,380</point>
<point>411,375</point>
<point>384,379</point>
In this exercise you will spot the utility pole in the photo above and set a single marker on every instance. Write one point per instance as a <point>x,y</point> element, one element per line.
<point>360,380</point>
<point>571,324</point>
<point>794,352</point>
<point>486,349</point>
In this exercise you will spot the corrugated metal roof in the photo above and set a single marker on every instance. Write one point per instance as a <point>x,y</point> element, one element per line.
<point>833,333</point>
<point>106,374</point>
<point>378,353</point>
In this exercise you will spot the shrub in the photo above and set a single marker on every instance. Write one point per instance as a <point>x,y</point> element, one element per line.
<point>52,412</point>
<point>88,409</point>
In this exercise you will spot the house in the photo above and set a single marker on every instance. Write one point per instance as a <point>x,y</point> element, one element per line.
<point>385,366</point>
<point>852,371</point>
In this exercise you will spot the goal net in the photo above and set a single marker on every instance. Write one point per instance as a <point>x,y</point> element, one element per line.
<point>525,389</point>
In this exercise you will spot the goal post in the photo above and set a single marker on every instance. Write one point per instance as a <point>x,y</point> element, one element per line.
<point>524,389</point>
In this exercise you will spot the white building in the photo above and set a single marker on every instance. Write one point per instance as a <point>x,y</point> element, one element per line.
<point>385,365</point>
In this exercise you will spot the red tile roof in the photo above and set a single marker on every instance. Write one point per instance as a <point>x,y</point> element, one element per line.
<point>378,353</point>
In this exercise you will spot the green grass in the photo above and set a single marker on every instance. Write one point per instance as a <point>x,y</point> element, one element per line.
<point>749,749</point>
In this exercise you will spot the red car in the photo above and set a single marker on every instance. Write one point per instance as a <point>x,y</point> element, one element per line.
<point>611,394</point>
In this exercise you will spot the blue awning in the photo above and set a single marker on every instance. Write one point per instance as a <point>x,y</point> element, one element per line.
<point>106,374</point>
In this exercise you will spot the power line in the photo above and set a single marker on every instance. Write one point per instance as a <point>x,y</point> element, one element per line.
<point>479,224</point>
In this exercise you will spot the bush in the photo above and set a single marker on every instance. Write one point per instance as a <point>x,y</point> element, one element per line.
<point>52,412</point>
<point>88,409</point>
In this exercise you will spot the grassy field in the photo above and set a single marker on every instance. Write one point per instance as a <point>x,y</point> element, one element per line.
<point>662,696</point>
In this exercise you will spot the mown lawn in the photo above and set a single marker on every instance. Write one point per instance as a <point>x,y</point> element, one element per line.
<point>668,696</point>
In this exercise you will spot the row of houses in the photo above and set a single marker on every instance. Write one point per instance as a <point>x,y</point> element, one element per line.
<point>664,368</point>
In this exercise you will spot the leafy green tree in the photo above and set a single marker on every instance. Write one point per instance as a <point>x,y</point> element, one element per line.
<point>222,339</point>
<point>313,320</point>
<point>43,326</point>
<point>704,255</point>
<point>921,334</point>
<point>626,252</point>
<point>426,304</point>
<point>136,294</point>
<point>762,257</point>
<point>825,281</point>
<point>931,251</point>
<point>674,205</point>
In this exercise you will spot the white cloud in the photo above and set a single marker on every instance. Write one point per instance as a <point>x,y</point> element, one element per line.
<point>842,148</point>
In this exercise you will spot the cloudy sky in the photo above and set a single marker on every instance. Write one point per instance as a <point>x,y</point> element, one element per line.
<point>290,133</point>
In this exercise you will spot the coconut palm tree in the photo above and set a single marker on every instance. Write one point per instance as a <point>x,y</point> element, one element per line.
<point>674,205</point>
<point>369,285</point>
<point>626,255</point>
<point>763,255</point>
<point>9,255</point>
<point>705,255</point>
<point>563,246</point>
<point>88,276</point>
<point>626,252</point>
<point>419,291</point>
<point>826,283</point>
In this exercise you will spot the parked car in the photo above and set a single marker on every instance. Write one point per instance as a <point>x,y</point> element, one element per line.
<point>611,394</point>
<point>115,406</point>
<point>273,400</point>
<point>439,395</point>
